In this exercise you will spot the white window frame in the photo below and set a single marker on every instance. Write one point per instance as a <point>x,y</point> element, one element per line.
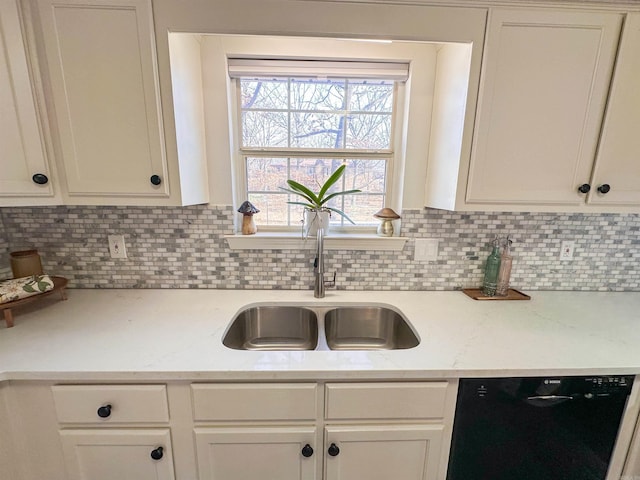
<point>389,155</point>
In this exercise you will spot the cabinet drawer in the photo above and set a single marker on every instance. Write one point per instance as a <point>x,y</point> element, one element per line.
<point>119,403</point>
<point>254,402</point>
<point>385,400</point>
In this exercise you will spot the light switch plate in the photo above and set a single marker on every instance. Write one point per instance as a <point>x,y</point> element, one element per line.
<point>566,250</point>
<point>426,250</point>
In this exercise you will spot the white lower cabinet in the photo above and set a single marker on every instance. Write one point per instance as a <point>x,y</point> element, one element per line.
<point>260,453</point>
<point>377,452</point>
<point>382,452</point>
<point>632,464</point>
<point>337,431</point>
<point>227,431</point>
<point>256,431</point>
<point>387,430</point>
<point>110,432</point>
<point>111,454</point>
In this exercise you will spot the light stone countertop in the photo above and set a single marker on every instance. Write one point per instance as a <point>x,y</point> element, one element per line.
<point>147,335</point>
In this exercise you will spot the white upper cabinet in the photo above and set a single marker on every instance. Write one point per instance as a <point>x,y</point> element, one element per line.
<point>618,160</point>
<point>25,174</point>
<point>104,85</point>
<point>543,91</point>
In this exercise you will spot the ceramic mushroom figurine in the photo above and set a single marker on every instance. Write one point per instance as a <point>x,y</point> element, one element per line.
<point>248,225</point>
<point>387,216</point>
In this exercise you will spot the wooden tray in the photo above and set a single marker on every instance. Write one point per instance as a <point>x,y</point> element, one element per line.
<point>476,294</point>
<point>59,284</point>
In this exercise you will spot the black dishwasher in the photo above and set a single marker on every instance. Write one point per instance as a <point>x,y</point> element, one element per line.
<point>538,428</point>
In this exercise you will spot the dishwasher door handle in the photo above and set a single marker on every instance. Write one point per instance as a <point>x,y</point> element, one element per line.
<point>547,400</point>
<point>550,397</point>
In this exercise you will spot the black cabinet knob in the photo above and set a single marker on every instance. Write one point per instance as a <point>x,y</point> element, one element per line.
<point>104,411</point>
<point>584,188</point>
<point>40,179</point>
<point>307,451</point>
<point>157,453</point>
<point>155,180</point>
<point>604,188</point>
<point>333,450</point>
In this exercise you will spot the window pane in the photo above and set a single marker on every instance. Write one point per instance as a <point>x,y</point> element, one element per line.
<point>266,174</point>
<point>370,96</point>
<point>316,114</point>
<point>264,129</point>
<point>360,208</point>
<point>273,208</point>
<point>264,94</point>
<point>369,131</point>
<point>315,95</point>
<point>313,172</point>
<point>317,130</point>
<point>366,175</point>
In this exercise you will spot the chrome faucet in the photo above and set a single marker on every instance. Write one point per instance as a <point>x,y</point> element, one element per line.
<point>318,270</point>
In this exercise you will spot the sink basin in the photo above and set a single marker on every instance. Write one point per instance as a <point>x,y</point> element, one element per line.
<point>294,327</point>
<point>273,328</point>
<point>368,328</point>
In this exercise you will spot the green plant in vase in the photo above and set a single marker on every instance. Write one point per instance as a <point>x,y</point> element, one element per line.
<point>318,202</point>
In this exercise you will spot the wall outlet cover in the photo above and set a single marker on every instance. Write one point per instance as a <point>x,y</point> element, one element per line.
<point>567,249</point>
<point>426,250</point>
<point>117,248</point>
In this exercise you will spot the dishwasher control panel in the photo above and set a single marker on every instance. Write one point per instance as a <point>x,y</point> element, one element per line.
<point>608,385</point>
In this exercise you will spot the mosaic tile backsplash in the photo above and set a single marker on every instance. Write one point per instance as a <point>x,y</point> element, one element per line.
<point>184,247</point>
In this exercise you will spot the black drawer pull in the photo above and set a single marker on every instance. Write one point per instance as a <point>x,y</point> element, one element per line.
<point>104,411</point>
<point>333,450</point>
<point>157,453</point>
<point>307,451</point>
<point>40,179</point>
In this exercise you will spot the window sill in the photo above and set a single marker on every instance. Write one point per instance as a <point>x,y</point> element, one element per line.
<point>289,241</point>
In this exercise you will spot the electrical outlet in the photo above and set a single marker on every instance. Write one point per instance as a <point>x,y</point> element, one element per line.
<point>567,249</point>
<point>117,248</point>
<point>426,250</point>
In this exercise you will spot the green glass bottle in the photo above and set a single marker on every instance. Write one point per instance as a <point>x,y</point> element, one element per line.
<point>492,269</point>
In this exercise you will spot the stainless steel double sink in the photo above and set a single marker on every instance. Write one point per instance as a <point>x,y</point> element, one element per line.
<point>297,327</point>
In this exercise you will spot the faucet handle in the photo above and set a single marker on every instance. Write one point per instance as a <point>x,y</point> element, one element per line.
<point>332,282</point>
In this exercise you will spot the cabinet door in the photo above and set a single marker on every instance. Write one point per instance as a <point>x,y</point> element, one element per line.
<point>632,463</point>
<point>269,453</point>
<point>101,57</point>
<point>618,161</point>
<point>545,80</point>
<point>117,454</point>
<point>407,452</point>
<point>22,154</point>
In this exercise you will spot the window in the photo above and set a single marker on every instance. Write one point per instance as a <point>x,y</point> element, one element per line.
<point>434,83</point>
<point>303,127</point>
